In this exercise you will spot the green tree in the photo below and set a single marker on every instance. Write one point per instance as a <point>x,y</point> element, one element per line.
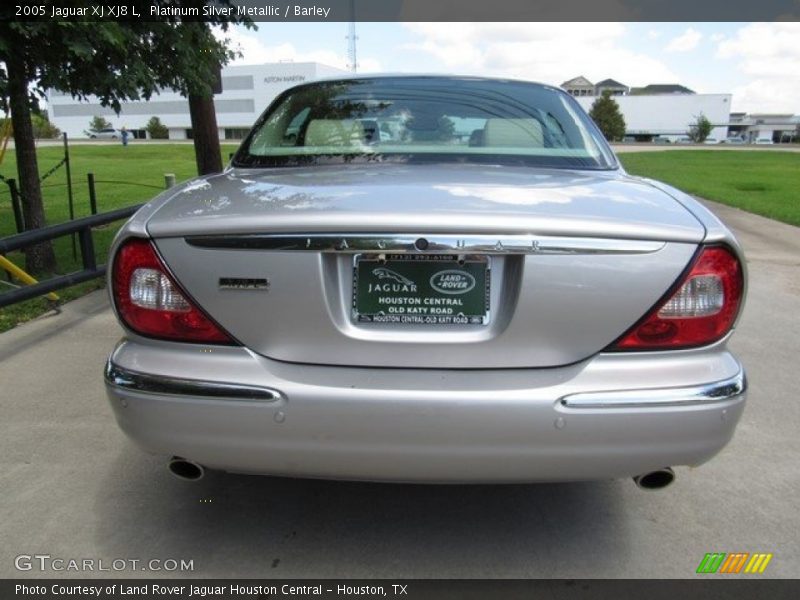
<point>44,129</point>
<point>97,123</point>
<point>605,112</point>
<point>115,61</point>
<point>700,129</point>
<point>156,129</point>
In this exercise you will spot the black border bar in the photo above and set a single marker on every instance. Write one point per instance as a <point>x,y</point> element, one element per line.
<point>420,10</point>
<point>705,587</point>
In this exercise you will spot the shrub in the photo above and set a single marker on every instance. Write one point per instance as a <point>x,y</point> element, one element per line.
<point>98,123</point>
<point>156,129</point>
<point>44,129</point>
<point>700,129</point>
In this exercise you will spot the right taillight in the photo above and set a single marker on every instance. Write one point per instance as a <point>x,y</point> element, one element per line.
<point>700,311</point>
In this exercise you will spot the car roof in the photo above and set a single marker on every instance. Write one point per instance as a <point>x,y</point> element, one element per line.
<point>401,76</point>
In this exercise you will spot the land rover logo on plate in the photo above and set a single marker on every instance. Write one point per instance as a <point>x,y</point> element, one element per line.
<point>452,282</point>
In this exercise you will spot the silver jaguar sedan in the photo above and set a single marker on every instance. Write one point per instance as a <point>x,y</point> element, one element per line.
<point>427,279</point>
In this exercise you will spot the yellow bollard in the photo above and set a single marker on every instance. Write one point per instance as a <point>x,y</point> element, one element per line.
<point>5,135</point>
<point>22,275</point>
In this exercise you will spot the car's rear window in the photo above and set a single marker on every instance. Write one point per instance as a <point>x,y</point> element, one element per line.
<point>425,119</point>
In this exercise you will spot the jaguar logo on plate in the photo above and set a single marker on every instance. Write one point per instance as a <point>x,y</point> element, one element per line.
<point>452,282</point>
<point>384,273</point>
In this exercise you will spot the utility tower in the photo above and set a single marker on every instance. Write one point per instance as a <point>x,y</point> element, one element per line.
<point>352,62</point>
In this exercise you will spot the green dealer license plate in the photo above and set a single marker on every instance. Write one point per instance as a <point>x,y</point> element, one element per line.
<point>420,289</point>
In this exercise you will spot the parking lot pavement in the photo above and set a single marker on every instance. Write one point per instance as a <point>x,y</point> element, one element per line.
<point>75,487</point>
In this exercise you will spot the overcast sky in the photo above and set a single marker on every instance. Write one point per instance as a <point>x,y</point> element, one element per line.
<point>759,63</point>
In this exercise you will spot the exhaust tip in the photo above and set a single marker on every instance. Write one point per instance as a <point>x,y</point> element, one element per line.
<point>655,480</point>
<point>185,469</point>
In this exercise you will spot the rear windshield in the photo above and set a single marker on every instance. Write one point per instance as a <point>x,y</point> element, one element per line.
<point>425,119</point>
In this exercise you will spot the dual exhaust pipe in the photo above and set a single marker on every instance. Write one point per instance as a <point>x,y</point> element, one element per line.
<point>187,470</point>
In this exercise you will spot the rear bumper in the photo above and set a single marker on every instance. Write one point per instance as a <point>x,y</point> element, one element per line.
<point>611,416</point>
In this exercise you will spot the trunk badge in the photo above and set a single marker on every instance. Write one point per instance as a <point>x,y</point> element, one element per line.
<point>243,283</point>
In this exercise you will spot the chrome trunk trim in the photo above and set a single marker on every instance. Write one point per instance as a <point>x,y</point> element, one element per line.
<point>174,386</point>
<point>719,391</point>
<point>433,244</point>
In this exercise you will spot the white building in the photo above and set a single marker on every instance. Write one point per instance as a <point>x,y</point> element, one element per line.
<point>246,92</point>
<point>777,128</point>
<point>669,115</point>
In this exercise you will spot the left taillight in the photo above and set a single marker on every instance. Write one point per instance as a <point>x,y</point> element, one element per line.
<point>700,310</point>
<point>151,303</point>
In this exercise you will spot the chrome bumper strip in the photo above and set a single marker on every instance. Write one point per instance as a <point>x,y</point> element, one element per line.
<point>704,394</point>
<point>174,386</point>
<point>344,243</point>
<point>682,396</point>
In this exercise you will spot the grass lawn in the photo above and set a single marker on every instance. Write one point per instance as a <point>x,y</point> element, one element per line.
<point>763,182</point>
<point>767,183</point>
<point>125,176</point>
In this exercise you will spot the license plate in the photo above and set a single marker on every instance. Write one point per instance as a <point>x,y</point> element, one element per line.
<point>412,289</point>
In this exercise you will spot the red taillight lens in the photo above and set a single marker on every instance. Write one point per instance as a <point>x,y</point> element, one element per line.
<point>700,312</point>
<point>151,303</point>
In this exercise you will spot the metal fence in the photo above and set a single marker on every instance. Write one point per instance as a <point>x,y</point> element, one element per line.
<point>80,230</point>
<point>83,228</point>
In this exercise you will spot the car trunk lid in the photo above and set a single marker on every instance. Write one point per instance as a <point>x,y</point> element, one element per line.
<point>408,198</point>
<point>568,260</point>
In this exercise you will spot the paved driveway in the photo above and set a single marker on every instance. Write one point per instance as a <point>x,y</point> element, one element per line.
<point>74,487</point>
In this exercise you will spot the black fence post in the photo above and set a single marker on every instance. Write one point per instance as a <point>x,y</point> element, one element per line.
<point>19,220</point>
<point>87,249</point>
<point>69,191</point>
<point>92,193</point>
<point>19,216</point>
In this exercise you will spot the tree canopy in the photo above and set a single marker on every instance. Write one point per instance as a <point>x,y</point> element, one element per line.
<point>156,129</point>
<point>700,129</point>
<point>114,61</point>
<point>605,112</point>
<point>99,123</point>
